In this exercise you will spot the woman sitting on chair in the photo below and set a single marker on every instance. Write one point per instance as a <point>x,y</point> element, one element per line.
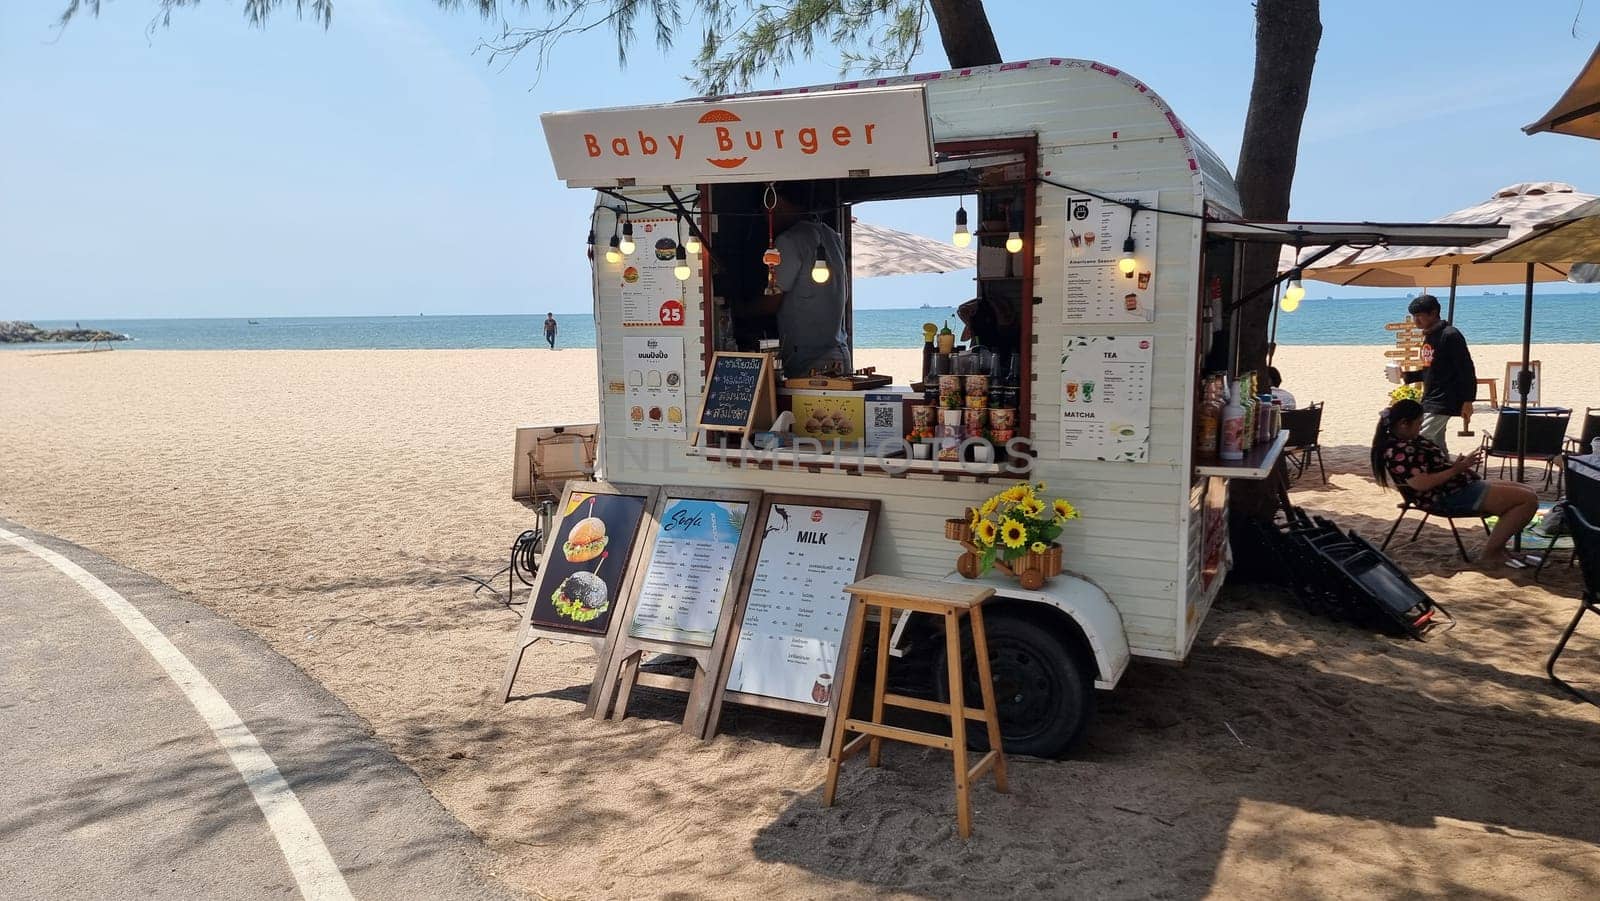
<point>1444,488</point>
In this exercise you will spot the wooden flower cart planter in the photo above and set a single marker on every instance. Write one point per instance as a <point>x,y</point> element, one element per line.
<point>1031,569</point>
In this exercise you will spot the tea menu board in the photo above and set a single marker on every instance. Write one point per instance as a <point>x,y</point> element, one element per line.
<point>654,379</point>
<point>733,390</point>
<point>651,295</point>
<point>1105,397</point>
<point>686,578</point>
<point>796,606</point>
<point>1097,290</point>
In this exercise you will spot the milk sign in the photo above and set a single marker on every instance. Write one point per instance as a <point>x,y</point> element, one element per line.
<point>829,134</point>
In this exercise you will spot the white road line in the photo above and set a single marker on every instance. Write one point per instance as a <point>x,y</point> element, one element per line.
<point>308,858</point>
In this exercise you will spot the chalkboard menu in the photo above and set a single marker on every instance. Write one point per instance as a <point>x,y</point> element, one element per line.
<point>738,387</point>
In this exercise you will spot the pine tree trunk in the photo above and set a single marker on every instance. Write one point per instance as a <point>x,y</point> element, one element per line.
<point>964,30</point>
<point>1287,34</point>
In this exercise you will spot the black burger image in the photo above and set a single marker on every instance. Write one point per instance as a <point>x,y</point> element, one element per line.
<point>581,597</point>
<point>666,249</point>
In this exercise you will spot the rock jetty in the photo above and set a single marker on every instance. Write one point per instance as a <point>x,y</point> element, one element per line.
<point>28,333</point>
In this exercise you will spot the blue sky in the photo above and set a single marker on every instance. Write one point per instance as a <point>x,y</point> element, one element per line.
<point>381,166</point>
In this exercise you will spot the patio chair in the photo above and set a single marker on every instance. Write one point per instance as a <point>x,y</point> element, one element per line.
<point>1547,434</point>
<point>1305,431</point>
<point>1584,443</point>
<point>1586,538</point>
<point>1582,493</point>
<point>1409,502</point>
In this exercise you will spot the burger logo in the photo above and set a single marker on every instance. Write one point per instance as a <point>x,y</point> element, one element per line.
<point>816,516</point>
<point>666,249</point>
<point>717,117</point>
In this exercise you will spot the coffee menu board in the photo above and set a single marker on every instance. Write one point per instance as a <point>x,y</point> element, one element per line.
<point>1096,288</point>
<point>796,605</point>
<point>586,567</point>
<point>736,388</point>
<point>685,581</point>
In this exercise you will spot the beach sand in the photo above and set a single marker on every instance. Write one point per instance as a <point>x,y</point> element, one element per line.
<point>331,501</point>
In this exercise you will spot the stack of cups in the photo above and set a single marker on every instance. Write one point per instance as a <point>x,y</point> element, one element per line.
<point>1002,425</point>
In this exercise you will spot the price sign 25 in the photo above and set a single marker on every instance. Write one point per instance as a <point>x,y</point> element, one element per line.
<point>671,313</point>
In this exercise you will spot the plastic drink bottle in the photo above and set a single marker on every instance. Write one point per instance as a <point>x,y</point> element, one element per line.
<point>1233,427</point>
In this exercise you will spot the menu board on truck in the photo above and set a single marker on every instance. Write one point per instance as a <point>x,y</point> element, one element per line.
<point>795,604</point>
<point>651,295</point>
<point>739,391</point>
<point>654,378</point>
<point>1105,397</point>
<point>1097,289</point>
<point>685,581</point>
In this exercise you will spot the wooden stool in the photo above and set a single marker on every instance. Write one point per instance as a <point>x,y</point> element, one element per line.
<point>951,601</point>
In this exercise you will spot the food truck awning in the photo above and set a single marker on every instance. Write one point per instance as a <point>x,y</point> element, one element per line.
<point>1360,234</point>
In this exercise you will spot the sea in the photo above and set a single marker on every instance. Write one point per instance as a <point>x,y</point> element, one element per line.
<point>1484,319</point>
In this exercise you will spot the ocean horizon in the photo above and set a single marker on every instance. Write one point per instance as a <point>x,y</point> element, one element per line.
<point>1484,319</point>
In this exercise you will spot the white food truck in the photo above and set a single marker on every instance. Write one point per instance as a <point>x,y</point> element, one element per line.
<point>1107,238</point>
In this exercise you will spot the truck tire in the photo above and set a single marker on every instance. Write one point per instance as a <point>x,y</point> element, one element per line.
<point>1045,700</point>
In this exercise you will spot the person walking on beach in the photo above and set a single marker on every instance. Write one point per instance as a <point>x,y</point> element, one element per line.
<point>1449,379</point>
<point>550,329</point>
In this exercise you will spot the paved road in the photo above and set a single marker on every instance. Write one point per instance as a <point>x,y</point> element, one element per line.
<point>113,785</point>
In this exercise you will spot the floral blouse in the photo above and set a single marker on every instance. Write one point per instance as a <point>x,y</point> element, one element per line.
<point>1406,460</point>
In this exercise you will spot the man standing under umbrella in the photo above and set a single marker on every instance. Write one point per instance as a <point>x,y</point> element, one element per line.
<point>1449,379</point>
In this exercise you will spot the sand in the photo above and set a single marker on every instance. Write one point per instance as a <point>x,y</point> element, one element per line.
<point>331,501</point>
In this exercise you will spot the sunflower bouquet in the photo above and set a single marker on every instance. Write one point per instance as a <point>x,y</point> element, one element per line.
<point>1411,391</point>
<point>1016,522</point>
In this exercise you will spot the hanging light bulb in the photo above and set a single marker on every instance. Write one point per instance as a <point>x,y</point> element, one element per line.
<point>693,244</point>
<point>681,270</point>
<point>1293,294</point>
<point>1127,264</point>
<point>819,269</point>
<point>1014,242</point>
<point>590,242</point>
<point>962,237</point>
<point>627,238</point>
<point>613,251</point>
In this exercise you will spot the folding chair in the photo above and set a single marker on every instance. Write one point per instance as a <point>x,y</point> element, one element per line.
<point>1582,493</point>
<point>1409,503</point>
<point>1586,538</point>
<point>1305,431</point>
<point>1547,436</point>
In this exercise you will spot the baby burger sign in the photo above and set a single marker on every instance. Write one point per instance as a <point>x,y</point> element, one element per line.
<point>832,134</point>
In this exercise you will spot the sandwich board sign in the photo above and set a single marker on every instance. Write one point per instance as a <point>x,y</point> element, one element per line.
<point>682,599</point>
<point>584,573</point>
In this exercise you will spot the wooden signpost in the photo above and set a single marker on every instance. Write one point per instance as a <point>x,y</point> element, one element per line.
<point>683,599</point>
<point>741,394</point>
<point>1408,344</point>
<point>790,623</point>
<point>584,574</point>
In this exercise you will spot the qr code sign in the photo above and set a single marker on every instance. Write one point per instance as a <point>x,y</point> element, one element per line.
<point>883,417</point>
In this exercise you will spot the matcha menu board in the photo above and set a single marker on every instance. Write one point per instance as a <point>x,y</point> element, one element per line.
<point>794,619</point>
<point>686,578</point>
<point>1105,397</point>
<point>733,390</point>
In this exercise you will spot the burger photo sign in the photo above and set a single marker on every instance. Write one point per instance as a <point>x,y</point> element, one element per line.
<point>586,568</point>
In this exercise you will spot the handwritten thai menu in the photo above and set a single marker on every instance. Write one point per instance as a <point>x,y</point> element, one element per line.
<point>732,389</point>
<point>686,579</point>
<point>651,295</point>
<point>794,616</point>
<point>1105,397</point>
<point>654,378</point>
<point>1097,290</point>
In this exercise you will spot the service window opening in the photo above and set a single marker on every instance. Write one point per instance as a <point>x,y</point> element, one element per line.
<point>983,302</point>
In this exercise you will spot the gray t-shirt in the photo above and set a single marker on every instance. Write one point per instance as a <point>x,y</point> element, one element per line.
<point>811,319</point>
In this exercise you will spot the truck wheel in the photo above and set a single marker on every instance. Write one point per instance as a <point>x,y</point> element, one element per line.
<point>1045,701</point>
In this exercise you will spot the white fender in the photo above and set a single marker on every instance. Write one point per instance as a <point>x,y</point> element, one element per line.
<point>1088,606</point>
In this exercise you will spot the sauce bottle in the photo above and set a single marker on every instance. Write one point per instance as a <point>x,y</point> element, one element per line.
<point>947,339</point>
<point>1210,418</point>
<point>1232,427</point>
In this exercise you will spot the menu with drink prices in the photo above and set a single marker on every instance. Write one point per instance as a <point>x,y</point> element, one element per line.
<point>1105,397</point>
<point>686,577</point>
<point>1097,290</point>
<point>655,394</point>
<point>795,612</point>
<point>651,294</point>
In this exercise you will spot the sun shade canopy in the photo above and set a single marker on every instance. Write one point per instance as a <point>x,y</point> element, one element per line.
<point>1578,111</point>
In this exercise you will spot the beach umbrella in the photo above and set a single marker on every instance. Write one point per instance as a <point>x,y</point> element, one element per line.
<point>1563,242</point>
<point>1578,111</point>
<point>878,250</point>
<point>1521,207</point>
